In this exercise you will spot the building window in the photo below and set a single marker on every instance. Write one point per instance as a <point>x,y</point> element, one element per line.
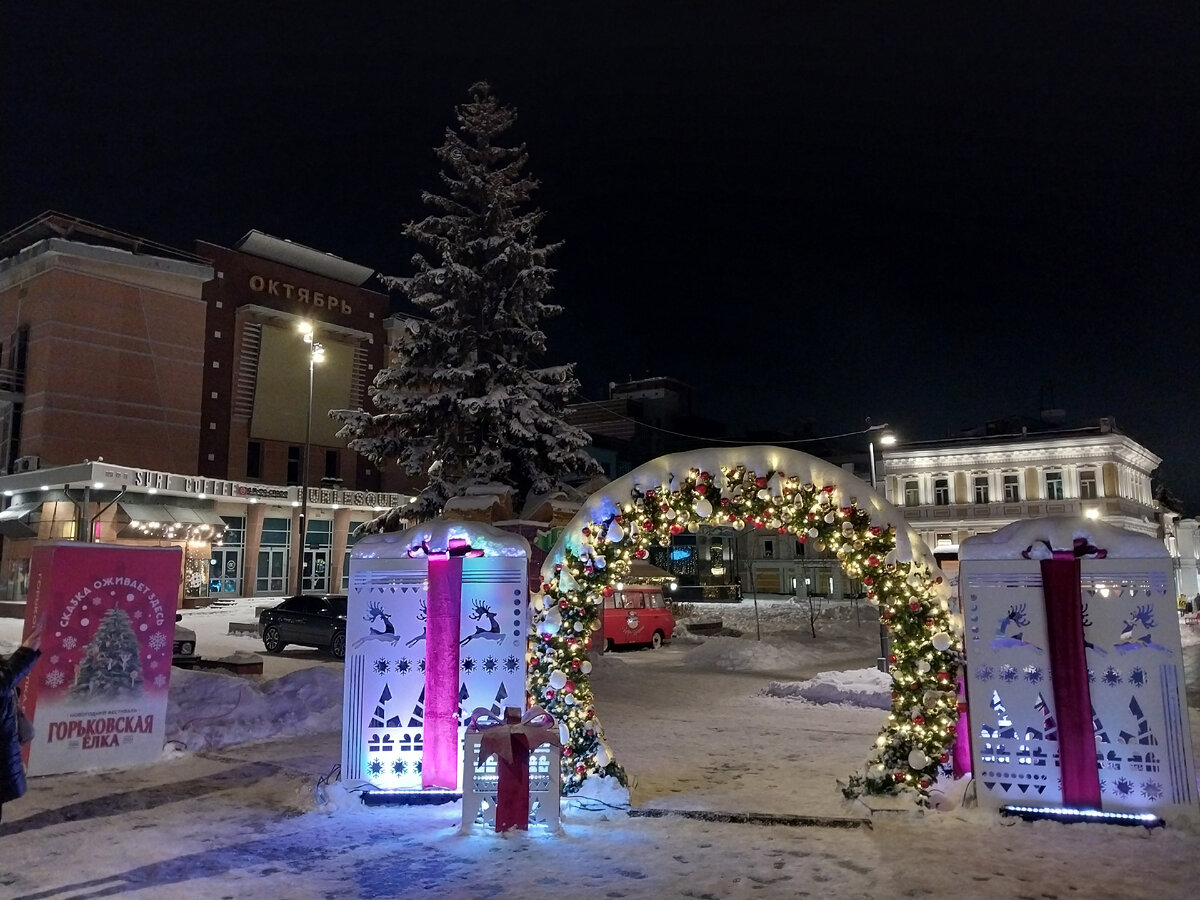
<point>768,549</point>
<point>941,491</point>
<point>1012,489</point>
<point>293,465</point>
<point>332,464</point>
<point>912,494</point>
<point>943,539</point>
<point>981,489</point>
<point>254,460</point>
<point>1054,486</point>
<point>1087,485</point>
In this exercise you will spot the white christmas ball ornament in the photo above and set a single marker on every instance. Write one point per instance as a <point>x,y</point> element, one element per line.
<point>586,667</point>
<point>552,622</point>
<point>764,494</point>
<point>558,679</point>
<point>564,734</point>
<point>917,759</point>
<point>703,507</point>
<point>602,756</point>
<point>616,533</point>
<point>941,641</point>
<point>578,626</point>
<point>923,666</point>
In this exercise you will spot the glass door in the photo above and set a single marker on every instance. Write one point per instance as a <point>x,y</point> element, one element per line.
<point>271,576</point>
<point>315,578</point>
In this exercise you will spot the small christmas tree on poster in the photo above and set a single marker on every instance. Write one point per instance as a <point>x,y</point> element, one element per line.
<point>112,663</point>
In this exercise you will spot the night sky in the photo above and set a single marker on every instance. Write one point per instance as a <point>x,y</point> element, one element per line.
<point>931,215</point>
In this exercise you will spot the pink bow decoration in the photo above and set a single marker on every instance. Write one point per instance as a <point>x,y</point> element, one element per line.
<point>1080,549</point>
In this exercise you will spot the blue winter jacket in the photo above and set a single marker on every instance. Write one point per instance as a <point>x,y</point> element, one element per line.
<point>12,773</point>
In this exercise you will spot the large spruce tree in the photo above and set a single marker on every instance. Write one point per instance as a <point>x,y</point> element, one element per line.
<point>464,402</point>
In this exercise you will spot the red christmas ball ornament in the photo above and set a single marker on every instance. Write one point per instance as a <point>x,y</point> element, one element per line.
<point>563,604</point>
<point>943,676</point>
<point>704,476</point>
<point>846,510</point>
<point>590,713</point>
<point>702,489</point>
<point>802,538</point>
<point>587,532</point>
<point>647,525</point>
<point>676,528</point>
<point>961,706</point>
<point>558,567</point>
<point>868,581</point>
<point>607,590</point>
<point>545,588</point>
<point>914,605</point>
<point>918,719</point>
<point>533,661</point>
<point>812,517</point>
<point>870,595</point>
<point>664,507</point>
<point>580,769</point>
<point>549,693</point>
<point>925,783</point>
<point>733,517</point>
<point>575,664</point>
<point>569,687</point>
<point>640,553</point>
<point>567,751</point>
<point>782,529</point>
<point>938,580</point>
<point>571,642</point>
<point>828,488</point>
<point>898,776</point>
<point>892,658</point>
<point>760,481</point>
<point>887,613</point>
<point>944,757</point>
<point>951,728</point>
<point>875,530</point>
<point>650,493</point>
<point>873,561</point>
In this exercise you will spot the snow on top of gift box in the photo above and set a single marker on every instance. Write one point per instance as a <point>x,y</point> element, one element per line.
<point>441,536</point>
<point>1039,538</point>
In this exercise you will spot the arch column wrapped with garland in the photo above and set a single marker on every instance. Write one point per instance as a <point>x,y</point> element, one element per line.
<point>761,488</point>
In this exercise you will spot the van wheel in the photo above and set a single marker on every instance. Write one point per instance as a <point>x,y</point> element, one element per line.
<point>657,640</point>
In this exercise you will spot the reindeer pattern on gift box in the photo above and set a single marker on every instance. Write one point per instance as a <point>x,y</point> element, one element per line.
<point>1016,616</point>
<point>1140,619</point>
<point>479,610</point>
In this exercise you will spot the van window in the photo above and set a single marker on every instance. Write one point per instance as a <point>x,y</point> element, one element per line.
<point>633,600</point>
<point>655,601</point>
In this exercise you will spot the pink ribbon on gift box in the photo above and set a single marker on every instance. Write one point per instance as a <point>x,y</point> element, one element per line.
<point>511,740</point>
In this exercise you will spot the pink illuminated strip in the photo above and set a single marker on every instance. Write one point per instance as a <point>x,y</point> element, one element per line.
<point>439,766</point>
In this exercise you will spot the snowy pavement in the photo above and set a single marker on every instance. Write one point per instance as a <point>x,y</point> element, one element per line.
<point>251,807</point>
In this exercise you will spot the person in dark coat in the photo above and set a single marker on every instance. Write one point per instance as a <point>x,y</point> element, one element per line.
<point>12,670</point>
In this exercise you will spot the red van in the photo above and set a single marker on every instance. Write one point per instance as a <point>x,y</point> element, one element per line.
<point>637,614</point>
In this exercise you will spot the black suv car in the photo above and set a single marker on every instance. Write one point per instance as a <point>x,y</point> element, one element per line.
<point>313,620</point>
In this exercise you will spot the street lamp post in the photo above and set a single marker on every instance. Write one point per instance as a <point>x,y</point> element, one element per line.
<point>315,353</point>
<point>886,439</point>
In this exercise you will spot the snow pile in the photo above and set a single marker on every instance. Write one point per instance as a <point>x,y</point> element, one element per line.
<point>740,655</point>
<point>207,709</point>
<point>858,687</point>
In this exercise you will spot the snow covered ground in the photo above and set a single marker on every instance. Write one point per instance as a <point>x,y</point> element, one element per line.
<point>246,803</point>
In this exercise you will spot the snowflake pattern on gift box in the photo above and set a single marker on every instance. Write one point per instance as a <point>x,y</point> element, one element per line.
<point>157,641</point>
<point>421,665</point>
<point>376,767</point>
<point>160,680</point>
<point>399,767</point>
<point>69,642</point>
<point>1008,673</point>
<point>55,678</point>
<point>490,665</point>
<point>1152,790</point>
<point>1123,787</point>
<point>1137,676</point>
<point>511,663</point>
<point>1033,674</point>
<point>468,664</point>
<point>1091,675</point>
<point>403,666</point>
<point>381,666</point>
<point>1112,676</point>
<point>984,673</point>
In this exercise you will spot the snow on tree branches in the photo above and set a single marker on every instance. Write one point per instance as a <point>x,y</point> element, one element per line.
<point>463,402</point>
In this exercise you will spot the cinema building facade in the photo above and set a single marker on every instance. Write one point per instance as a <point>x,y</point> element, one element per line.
<point>156,396</point>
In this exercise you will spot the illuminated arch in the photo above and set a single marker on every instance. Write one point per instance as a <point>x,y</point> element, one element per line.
<point>773,488</point>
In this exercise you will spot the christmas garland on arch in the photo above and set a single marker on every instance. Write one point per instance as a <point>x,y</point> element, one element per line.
<point>919,733</point>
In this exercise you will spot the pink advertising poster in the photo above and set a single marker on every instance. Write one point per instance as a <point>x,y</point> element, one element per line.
<point>98,694</point>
